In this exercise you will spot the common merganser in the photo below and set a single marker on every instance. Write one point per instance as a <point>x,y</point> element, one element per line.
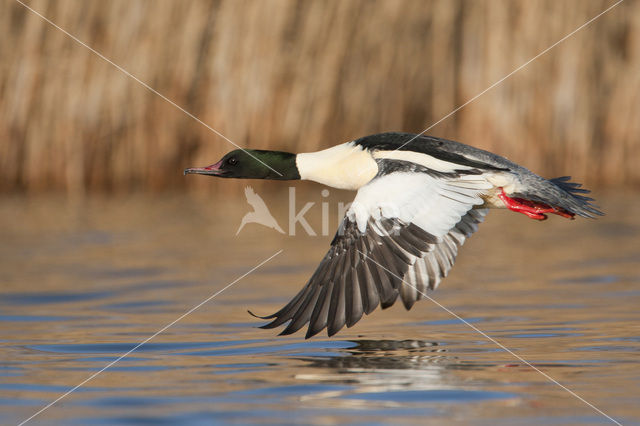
<point>416,203</point>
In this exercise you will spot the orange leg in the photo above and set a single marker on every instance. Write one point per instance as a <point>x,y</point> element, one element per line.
<point>532,209</point>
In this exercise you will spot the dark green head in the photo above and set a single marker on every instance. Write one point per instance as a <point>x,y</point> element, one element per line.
<point>252,164</point>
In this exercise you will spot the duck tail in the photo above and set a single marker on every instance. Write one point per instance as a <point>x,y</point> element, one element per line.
<point>574,200</point>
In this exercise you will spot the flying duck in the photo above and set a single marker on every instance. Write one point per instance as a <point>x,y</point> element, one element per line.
<point>418,199</point>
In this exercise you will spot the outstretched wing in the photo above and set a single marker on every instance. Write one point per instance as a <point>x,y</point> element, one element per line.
<point>427,272</point>
<point>402,230</point>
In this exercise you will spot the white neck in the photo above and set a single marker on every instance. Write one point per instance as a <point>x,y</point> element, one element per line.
<point>345,166</point>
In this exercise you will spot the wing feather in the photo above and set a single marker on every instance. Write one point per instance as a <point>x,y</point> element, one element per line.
<point>382,252</point>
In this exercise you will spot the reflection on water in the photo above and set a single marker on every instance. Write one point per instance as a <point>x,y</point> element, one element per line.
<point>394,371</point>
<point>83,284</point>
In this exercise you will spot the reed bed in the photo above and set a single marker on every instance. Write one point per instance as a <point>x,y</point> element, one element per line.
<point>304,75</point>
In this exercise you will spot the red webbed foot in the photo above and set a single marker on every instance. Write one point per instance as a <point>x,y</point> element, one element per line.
<point>533,209</point>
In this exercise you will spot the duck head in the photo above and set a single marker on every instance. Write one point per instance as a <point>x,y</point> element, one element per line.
<point>252,164</point>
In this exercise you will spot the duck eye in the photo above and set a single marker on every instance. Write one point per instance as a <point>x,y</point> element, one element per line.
<point>232,161</point>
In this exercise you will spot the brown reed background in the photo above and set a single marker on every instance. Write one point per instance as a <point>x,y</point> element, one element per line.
<point>305,75</point>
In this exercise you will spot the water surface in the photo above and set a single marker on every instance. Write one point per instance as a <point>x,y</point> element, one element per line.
<point>83,282</point>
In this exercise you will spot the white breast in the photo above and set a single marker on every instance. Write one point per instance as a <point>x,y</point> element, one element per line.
<point>345,166</point>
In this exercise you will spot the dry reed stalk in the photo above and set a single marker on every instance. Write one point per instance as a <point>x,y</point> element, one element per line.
<point>306,75</point>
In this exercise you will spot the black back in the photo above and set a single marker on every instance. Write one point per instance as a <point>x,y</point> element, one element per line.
<point>439,148</point>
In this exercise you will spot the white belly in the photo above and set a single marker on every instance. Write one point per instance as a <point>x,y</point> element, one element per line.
<point>500,181</point>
